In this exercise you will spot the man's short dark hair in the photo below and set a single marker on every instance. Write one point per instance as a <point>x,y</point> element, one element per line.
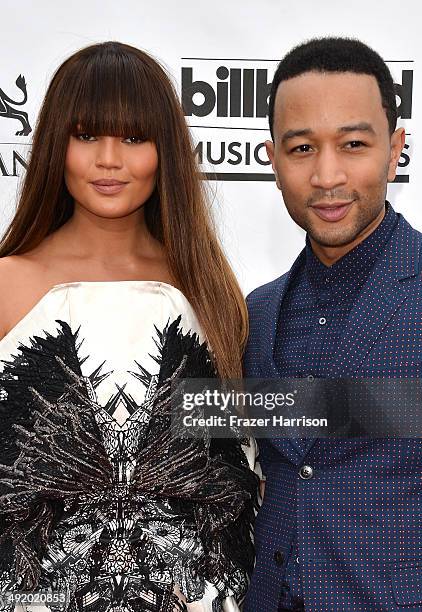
<point>336,55</point>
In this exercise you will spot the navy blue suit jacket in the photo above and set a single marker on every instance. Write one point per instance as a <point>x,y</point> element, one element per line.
<point>359,518</point>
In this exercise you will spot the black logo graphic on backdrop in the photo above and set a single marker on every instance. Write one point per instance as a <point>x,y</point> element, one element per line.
<point>11,161</point>
<point>237,93</point>
<point>220,96</point>
<point>244,93</point>
<point>8,110</point>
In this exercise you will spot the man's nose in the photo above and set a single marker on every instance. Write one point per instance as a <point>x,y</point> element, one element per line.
<point>109,152</point>
<point>329,171</point>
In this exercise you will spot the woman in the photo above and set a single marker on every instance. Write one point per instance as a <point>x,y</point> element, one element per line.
<point>112,248</point>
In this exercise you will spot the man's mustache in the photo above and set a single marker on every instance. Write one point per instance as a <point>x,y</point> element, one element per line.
<point>333,195</point>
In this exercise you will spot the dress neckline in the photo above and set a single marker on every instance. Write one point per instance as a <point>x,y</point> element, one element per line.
<point>68,285</point>
<point>114,282</point>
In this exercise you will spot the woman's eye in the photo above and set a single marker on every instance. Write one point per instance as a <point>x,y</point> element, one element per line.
<point>133,140</point>
<point>85,137</point>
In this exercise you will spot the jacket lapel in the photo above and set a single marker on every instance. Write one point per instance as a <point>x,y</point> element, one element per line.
<point>289,447</point>
<point>387,288</point>
<point>270,319</point>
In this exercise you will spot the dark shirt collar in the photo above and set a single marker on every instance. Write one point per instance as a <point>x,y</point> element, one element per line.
<point>350,272</point>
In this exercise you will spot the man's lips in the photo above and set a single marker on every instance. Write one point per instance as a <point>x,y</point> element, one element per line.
<point>108,186</point>
<point>332,211</point>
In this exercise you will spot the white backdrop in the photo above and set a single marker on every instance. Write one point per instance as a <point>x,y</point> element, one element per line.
<point>231,49</point>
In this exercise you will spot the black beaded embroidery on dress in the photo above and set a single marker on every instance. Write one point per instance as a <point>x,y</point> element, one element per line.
<point>116,514</point>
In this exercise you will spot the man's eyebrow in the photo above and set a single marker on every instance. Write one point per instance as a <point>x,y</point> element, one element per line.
<point>357,127</point>
<point>295,133</point>
<point>363,126</point>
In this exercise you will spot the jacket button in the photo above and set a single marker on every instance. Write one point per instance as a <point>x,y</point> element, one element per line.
<point>306,472</point>
<point>279,557</point>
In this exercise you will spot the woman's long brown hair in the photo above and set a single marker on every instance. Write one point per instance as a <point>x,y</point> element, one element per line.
<point>115,89</point>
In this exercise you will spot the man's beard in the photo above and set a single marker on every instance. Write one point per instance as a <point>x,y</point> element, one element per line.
<point>366,212</point>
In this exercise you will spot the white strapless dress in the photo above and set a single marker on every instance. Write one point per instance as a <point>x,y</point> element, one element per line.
<point>122,523</point>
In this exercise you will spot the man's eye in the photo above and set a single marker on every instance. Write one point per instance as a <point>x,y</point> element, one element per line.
<point>85,137</point>
<point>354,144</point>
<point>303,148</point>
<point>134,140</point>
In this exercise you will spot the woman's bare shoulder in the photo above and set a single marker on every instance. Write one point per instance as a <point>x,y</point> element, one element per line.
<point>21,286</point>
<point>16,271</point>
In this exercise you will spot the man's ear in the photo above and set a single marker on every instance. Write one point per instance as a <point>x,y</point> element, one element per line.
<point>397,141</point>
<point>269,146</point>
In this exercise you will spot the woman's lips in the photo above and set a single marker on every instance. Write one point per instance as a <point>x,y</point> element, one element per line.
<point>333,212</point>
<point>110,189</point>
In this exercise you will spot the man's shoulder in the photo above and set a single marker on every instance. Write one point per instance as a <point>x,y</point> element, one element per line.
<point>404,226</point>
<point>405,223</point>
<point>406,247</point>
<point>261,295</point>
<point>264,292</point>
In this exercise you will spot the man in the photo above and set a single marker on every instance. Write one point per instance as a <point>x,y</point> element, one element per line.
<point>340,528</point>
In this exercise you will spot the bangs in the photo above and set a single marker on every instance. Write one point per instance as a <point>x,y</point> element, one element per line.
<point>115,95</point>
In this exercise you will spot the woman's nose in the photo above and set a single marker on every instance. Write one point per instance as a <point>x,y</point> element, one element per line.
<point>109,152</point>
